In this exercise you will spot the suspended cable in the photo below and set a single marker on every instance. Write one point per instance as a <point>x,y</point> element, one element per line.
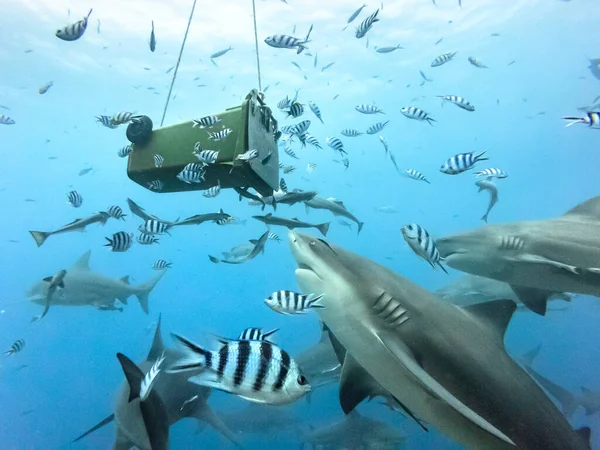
<point>256,45</point>
<point>178,61</point>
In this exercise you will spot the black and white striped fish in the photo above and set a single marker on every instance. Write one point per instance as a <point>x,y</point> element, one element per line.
<point>419,240</point>
<point>415,113</point>
<point>288,302</point>
<point>153,226</point>
<point>121,241</point>
<point>310,168</point>
<point>301,127</point>
<point>206,122</point>
<point>376,128</point>
<point>205,156</point>
<point>385,144</point>
<point>155,185</point>
<point>258,371</point>
<point>288,169</point>
<point>316,110</point>
<point>75,30</point>
<point>213,191</point>
<point>458,101</point>
<point>312,140</point>
<point>283,185</point>
<point>491,173</point>
<point>288,151</point>
<point>591,119</point>
<point>16,347</point>
<point>416,175</point>
<point>75,199</point>
<point>105,120</point>
<point>248,155</point>
<point>161,264</point>
<point>255,334</point>
<point>274,237</point>
<point>283,41</point>
<point>5,120</point>
<point>288,129</point>
<point>121,118</point>
<point>350,132</point>
<point>125,151</point>
<point>146,239</point>
<point>336,144</point>
<point>296,109</point>
<point>116,212</point>
<point>443,59</point>
<point>219,135</point>
<point>461,162</point>
<point>192,173</point>
<point>284,104</point>
<point>368,109</point>
<point>366,25</point>
<point>224,221</point>
<point>158,160</point>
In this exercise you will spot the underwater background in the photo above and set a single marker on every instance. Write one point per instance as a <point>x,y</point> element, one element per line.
<point>72,374</point>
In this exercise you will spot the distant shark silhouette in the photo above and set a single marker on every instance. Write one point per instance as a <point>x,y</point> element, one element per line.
<point>180,398</point>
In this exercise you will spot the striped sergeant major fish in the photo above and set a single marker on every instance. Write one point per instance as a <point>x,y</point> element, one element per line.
<point>376,128</point>
<point>591,119</point>
<point>415,113</point>
<point>312,140</point>
<point>476,63</point>
<point>219,135</point>
<point>366,25</point>
<point>158,160</point>
<point>295,110</point>
<point>156,185</point>
<point>213,191</point>
<point>283,185</point>
<point>274,237</point>
<point>206,122</point>
<point>105,120</point>
<point>461,163</point>
<point>301,127</point>
<point>336,144</point>
<point>416,175</point>
<point>255,334</point>
<point>121,241</point>
<point>288,302</point>
<point>316,110</point>
<point>121,118</point>
<point>16,347</point>
<point>73,31</point>
<point>290,152</point>
<point>153,226</point>
<point>161,264</point>
<point>146,239</point>
<point>258,371</point>
<point>124,151</point>
<point>116,212</point>
<point>458,101</point>
<point>283,41</point>
<point>192,173</point>
<point>310,168</point>
<point>5,120</point>
<point>368,109</point>
<point>443,59</point>
<point>419,240</point>
<point>248,155</point>
<point>350,132</point>
<point>205,156</point>
<point>75,199</point>
<point>491,173</point>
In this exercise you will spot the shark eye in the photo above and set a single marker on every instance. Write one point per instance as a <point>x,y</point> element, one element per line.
<point>302,380</point>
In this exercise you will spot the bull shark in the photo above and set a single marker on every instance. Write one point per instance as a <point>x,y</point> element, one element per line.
<point>86,288</point>
<point>446,365</point>
<point>261,418</point>
<point>180,399</point>
<point>537,258</point>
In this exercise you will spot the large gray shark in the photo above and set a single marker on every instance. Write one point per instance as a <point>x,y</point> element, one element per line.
<point>86,288</point>
<point>180,399</point>
<point>261,418</point>
<point>447,365</point>
<point>537,258</point>
<point>356,432</point>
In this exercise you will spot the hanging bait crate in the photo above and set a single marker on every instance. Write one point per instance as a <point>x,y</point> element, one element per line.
<point>253,127</point>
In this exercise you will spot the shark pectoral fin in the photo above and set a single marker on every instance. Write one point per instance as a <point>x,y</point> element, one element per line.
<point>430,385</point>
<point>99,425</point>
<point>535,299</point>
<point>355,384</point>
<point>496,313</point>
<point>48,279</point>
<point>529,258</point>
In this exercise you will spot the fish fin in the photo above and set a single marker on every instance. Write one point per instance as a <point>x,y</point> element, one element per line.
<point>314,302</point>
<point>535,299</point>
<point>527,358</point>
<point>207,378</point>
<point>83,263</point>
<point>360,227</point>
<point>356,384</point>
<point>61,285</point>
<point>143,290</point>
<point>567,401</point>
<point>125,280</point>
<point>40,237</point>
<point>158,346</point>
<point>306,208</point>
<point>496,313</point>
<point>48,279</point>
<point>585,433</point>
<point>194,356</point>
<point>253,241</point>
<point>589,209</point>
<point>407,359</point>
<point>269,333</point>
<point>323,228</point>
<point>133,374</point>
<point>99,425</point>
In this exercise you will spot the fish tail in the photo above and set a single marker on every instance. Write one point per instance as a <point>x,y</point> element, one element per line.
<point>40,237</point>
<point>143,290</point>
<point>479,157</point>
<point>90,13</point>
<point>430,120</point>
<point>573,120</point>
<point>314,302</point>
<point>442,267</point>
<point>323,228</point>
<point>360,226</point>
<point>110,242</point>
<point>485,217</point>
<point>194,356</point>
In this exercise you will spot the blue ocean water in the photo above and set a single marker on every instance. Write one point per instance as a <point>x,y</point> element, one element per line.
<point>72,375</point>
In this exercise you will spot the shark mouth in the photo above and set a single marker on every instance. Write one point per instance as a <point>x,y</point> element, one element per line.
<point>303,267</point>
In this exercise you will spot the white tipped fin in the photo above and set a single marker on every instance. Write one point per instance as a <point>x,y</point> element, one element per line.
<point>150,378</point>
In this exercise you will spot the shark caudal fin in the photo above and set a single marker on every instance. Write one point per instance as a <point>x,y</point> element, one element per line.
<point>323,228</point>
<point>360,226</point>
<point>40,237</point>
<point>568,402</point>
<point>143,290</point>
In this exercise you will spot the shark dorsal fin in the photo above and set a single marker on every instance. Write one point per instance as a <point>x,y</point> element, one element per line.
<point>133,374</point>
<point>339,203</point>
<point>158,347</point>
<point>83,263</point>
<point>497,313</point>
<point>355,384</point>
<point>125,279</point>
<point>590,208</point>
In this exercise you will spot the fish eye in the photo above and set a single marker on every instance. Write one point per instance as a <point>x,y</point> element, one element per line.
<point>302,380</point>
<point>410,227</point>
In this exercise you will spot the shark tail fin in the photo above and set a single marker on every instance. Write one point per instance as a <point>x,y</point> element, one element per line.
<point>323,228</point>
<point>194,357</point>
<point>360,226</point>
<point>143,290</point>
<point>40,237</point>
<point>99,425</point>
<point>485,217</point>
